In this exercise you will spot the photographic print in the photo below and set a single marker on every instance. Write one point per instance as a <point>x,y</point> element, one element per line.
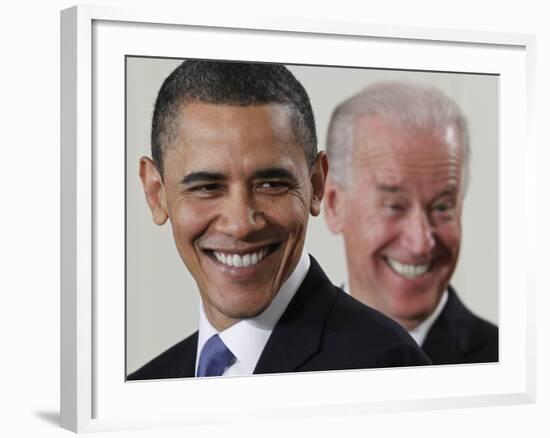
<point>163,298</point>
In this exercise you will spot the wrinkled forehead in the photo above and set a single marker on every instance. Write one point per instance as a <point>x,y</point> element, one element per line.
<point>386,150</point>
<point>374,136</point>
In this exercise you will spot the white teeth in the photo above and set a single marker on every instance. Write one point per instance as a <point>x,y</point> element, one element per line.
<point>239,260</point>
<point>406,270</point>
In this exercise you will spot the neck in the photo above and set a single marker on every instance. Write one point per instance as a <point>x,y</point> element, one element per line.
<point>365,297</point>
<point>408,324</point>
<point>219,322</point>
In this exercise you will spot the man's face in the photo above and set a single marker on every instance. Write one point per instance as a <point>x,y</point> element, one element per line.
<point>400,217</point>
<point>238,193</point>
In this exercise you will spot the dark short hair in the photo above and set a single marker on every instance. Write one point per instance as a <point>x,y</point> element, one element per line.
<point>231,83</point>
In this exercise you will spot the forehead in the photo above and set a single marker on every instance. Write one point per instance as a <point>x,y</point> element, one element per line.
<point>406,155</point>
<point>214,135</point>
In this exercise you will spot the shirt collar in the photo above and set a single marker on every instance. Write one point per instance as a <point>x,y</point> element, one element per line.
<point>247,338</point>
<point>420,332</point>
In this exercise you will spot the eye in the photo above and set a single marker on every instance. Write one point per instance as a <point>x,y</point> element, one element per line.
<point>272,187</point>
<point>441,208</point>
<point>208,187</point>
<point>393,207</point>
<point>206,190</point>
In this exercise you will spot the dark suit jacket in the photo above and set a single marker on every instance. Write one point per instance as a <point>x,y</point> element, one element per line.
<point>458,336</point>
<point>323,328</point>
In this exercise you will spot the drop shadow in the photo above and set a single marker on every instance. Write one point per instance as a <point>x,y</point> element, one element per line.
<point>52,417</point>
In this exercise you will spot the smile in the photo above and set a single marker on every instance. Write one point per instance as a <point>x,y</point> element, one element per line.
<point>407,270</point>
<point>240,260</point>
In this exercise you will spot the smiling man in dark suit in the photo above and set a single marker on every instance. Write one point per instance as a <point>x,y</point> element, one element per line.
<point>398,156</point>
<point>235,170</point>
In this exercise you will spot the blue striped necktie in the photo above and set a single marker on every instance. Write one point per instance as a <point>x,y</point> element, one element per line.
<point>215,358</point>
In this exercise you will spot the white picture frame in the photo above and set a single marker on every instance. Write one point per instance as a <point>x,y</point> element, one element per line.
<point>94,395</point>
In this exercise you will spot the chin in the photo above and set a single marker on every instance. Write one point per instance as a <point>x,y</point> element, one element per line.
<point>414,310</point>
<point>245,312</point>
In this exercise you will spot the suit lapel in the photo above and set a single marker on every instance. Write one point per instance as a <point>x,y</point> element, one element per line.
<point>297,335</point>
<point>189,357</point>
<point>449,338</point>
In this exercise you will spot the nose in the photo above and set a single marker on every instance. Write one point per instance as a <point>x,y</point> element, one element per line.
<point>239,218</point>
<point>418,234</point>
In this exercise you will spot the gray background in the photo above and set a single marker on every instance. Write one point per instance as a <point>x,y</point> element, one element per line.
<point>161,296</point>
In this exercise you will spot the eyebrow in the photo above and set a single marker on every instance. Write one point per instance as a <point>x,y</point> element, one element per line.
<point>202,176</point>
<point>275,173</point>
<point>267,173</point>
<point>388,188</point>
<point>450,191</point>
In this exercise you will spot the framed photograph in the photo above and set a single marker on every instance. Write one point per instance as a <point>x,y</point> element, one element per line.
<point>121,307</point>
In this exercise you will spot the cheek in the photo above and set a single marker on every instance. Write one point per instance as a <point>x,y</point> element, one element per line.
<point>188,223</point>
<point>290,214</point>
<point>369,234</point>
<point>450,236</point>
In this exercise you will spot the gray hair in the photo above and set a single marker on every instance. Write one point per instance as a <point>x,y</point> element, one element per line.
<point>406,106</point>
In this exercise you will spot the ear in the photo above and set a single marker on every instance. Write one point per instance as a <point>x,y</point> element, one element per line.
<point>153,187</point>
<point>317,178</point>
<point>334,206</point>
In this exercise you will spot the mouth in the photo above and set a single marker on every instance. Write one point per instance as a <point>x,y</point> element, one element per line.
<point>407,270</point>
<point>242,259</point>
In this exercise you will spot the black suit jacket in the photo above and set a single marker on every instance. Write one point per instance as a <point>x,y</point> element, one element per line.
<point>458,336</point>
<point>323,328</point>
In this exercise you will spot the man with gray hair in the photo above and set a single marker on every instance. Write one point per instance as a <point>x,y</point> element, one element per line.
<point>398,157</point>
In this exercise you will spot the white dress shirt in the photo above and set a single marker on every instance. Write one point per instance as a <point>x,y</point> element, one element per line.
<point>420,332</point>
<point>247,338</point>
